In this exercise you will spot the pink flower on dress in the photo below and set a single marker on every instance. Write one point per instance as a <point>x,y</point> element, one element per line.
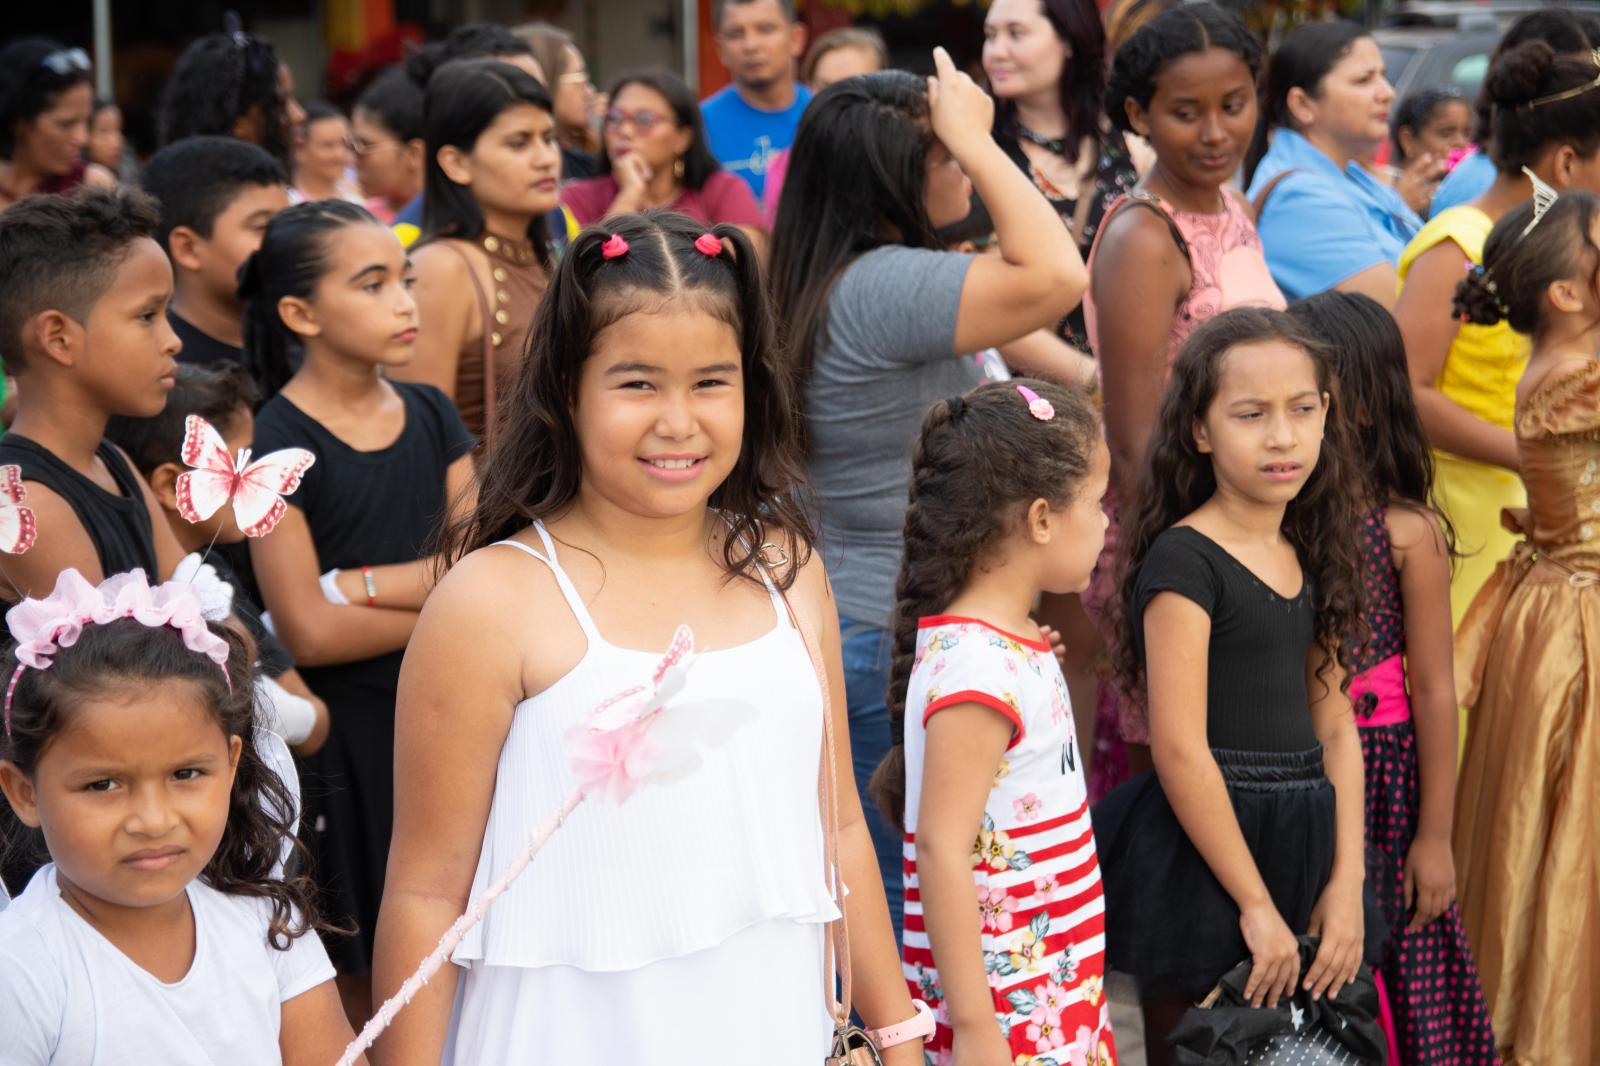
<point>1052,997</point>
<point>997,908</point>
<point>1082,1048</point>
<point>1028,807</point>
<point>1044,889</point>
<point>1044,1029</point>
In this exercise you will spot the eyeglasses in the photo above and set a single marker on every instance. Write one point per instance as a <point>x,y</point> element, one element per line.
<point>361,147</point>
<point>643,121</point>
<point>65,61</point>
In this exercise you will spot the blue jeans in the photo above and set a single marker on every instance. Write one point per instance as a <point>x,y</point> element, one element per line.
<point>866,652</point>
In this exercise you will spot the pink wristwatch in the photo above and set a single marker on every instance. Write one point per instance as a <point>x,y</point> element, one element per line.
<point>919,1026</point>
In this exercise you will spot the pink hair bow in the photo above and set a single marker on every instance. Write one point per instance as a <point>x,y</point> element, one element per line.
<point>44,627</point>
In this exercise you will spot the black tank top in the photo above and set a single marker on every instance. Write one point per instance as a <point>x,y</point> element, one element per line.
<point>119,526</point>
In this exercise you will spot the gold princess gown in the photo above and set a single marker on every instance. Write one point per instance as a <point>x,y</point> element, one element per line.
<point>1527,828</point>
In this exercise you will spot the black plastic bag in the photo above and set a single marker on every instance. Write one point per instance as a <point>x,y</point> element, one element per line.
<point>1341,1030</point>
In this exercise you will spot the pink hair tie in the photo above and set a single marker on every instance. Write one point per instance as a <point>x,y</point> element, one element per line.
<point>709,243</point>
<point>1038,406</point>
<point>614,247</point>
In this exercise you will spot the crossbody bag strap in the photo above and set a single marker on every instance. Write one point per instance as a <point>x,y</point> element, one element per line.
<point>836,949</point>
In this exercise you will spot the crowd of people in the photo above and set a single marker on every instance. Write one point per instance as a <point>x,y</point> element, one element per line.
<point>1138,549</point>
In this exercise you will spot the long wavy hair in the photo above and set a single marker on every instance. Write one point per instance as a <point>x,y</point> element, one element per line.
<point>126,654</point>
<point>979,462</point>
<point>1368,355</point>
<point>535,469</point>
<point>1321,522</point>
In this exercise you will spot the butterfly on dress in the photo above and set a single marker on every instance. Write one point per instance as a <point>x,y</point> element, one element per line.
<point>18,530</point>
<point>255,489</point>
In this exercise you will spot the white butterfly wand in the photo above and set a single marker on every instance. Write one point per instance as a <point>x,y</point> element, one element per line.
<point>635,738</point>
<point>255,489</point>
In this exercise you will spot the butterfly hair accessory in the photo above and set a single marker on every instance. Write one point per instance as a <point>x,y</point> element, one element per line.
<point>1544,198</point>
<point>709,243</point>
<point>43,627</point>
<point>18,529</point>
<point>645,735</point>
<point>615,247</point>
<point>1038,406</point>
<point>255,489</point>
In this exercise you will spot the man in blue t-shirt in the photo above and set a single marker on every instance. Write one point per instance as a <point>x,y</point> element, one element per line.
<point>753,119</point>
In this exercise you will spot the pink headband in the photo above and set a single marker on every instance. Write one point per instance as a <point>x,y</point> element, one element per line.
<point>44,627</point>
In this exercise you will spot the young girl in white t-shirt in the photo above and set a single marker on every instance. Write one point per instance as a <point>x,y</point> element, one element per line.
<point>158,932</point>
<point>987,778</point>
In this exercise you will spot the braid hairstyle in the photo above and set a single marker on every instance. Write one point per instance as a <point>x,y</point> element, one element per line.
<point>1518,270</point>
<point>1321,522</point>
<point>980,462</point>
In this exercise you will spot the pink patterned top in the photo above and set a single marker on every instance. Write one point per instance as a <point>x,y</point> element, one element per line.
<point>1225,260</point>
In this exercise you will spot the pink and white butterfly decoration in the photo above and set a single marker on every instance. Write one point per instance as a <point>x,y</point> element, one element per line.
<point>255,489</point>
<point>18,530</point>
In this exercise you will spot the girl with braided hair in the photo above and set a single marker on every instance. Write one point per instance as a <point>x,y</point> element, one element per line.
<point>986,778</point>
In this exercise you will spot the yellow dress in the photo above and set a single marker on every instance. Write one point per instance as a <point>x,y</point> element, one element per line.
<point>1480,374</point>
<point>1528,804</point>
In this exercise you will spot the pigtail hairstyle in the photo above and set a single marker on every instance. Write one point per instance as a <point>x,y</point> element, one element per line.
<point>1368,355</point>
<point>536,466</point>
<point>119,655</point>
<point>1321,522</point>
<point>1519,269</point>
<point>1168,37</point>
<point>978,464</point>
<point>291,260</point>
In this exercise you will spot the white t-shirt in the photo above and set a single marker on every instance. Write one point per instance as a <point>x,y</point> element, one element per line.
<point>69,998</point>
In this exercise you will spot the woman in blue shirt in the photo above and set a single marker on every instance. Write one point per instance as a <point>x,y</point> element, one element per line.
<point>1325,221</point>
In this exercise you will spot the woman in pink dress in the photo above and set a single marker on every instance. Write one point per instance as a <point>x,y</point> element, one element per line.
<point>1182,240</point>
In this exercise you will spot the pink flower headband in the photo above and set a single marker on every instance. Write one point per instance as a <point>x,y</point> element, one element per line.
<point>616,246</point>
<point>44,627</point>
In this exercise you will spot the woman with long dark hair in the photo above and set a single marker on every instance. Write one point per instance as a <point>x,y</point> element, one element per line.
<point>653,153</point>
<point>878,315</point>
<point>46,94</point>
<point>493,167</point>
<point>1326,222</point>
<point>232,85</point>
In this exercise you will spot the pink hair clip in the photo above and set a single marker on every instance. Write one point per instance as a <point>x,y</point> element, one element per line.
<point>614,247</point>
<point>44,627</point>
<point>1038,406</point>
<point>709,243</point>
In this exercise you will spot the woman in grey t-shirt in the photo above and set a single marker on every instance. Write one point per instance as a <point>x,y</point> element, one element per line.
<point>878,315</point>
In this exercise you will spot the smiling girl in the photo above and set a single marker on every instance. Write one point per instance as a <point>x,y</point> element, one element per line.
<point>646,482</point>
<point>1184,239</point>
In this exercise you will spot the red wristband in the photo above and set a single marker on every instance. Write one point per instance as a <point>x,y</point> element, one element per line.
<point>372,586</point>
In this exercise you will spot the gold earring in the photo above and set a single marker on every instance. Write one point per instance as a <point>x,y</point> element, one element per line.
<point>677,169</point>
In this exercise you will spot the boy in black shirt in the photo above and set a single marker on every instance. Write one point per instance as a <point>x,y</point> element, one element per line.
<point>216,195</point>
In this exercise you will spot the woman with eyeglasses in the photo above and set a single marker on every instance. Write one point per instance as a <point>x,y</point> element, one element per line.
<point>654,154</point>
<point>572,92</point>
<point>45,99</point>
<point>324,157</point>
<point>232,85</point>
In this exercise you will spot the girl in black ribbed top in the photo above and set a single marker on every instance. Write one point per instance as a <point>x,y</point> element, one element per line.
<point>1243,583</point>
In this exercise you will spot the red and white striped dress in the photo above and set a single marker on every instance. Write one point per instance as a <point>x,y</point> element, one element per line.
<point>1035,876</point>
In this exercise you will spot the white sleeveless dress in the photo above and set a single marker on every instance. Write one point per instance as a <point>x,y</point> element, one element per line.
<point>680,928</point>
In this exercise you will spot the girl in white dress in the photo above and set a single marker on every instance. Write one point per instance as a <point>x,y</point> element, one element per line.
<point>625,498</point>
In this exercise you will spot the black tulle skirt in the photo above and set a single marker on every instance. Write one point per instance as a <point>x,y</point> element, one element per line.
<point>1169,922</point>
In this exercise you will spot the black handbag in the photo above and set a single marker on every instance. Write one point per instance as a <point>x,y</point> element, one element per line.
<point>1225,1030</point>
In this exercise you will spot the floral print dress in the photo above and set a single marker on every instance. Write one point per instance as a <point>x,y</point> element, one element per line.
<point>1036,878</point>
